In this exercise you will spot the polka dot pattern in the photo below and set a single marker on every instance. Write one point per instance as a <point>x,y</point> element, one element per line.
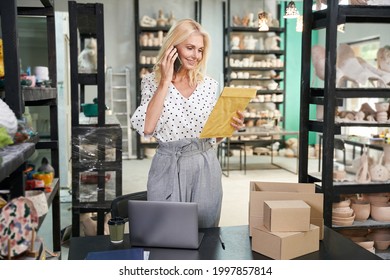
<point>181,117</point>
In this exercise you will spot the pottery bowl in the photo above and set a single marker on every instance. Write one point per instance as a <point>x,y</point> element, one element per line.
<point>342,203</point>
<point>374,198</point>
<point>380,212</point>
<point>342,212</point>
<point>338,221</point>
<point>381,238</point>
<point>381,245</point>
<point>364,242</point>
<point>362,209</point>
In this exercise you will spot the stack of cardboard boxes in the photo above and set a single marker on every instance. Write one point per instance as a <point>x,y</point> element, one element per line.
<point>285,219</point>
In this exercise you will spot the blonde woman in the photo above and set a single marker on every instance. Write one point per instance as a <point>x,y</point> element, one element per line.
<point>177,98</point>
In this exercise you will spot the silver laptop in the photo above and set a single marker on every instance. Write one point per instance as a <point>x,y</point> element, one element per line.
<point>164,224</point>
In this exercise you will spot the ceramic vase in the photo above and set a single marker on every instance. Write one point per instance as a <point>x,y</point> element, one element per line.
<point>363,175</point>
<point>386,156</point>
<point>378,172</point>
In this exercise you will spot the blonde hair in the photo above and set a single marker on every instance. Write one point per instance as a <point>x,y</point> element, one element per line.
<point>178,33</point>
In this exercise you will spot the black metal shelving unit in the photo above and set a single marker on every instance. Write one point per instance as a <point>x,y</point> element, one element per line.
<point>102,132</point>
<point>17,98</point>
<point>150,50</point>
<point>330,96</point>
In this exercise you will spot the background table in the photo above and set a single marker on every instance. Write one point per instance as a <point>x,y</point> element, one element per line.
<point>274,135</point>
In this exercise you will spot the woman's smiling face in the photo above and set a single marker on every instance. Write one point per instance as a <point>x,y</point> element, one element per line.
<point>191,51</point>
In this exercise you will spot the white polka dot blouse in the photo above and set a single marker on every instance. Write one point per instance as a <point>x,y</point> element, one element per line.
<point>181,117</point>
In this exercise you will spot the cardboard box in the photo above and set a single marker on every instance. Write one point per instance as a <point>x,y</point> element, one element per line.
<point>261,191</point>
<point>286,215</point>
<point>285,245</point>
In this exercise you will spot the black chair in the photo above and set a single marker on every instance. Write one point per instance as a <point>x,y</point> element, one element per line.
<point>119,204</point>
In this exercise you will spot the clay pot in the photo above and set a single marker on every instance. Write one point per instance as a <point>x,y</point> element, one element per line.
<point>343,203</point>
<point>381,238</point>
<point>339,175</point>
<point>362,173</point>
<point>379,172</point>
<point>347,221</point>
<point>380,212</point>
<point>342,212</point>
<point>362,209</point>
<point>382,245</point>
<point>386,156</point>
<point>364,242</point>
<point>376,197</point>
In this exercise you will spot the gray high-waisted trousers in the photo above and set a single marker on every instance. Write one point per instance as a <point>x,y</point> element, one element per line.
<point>188,171</point>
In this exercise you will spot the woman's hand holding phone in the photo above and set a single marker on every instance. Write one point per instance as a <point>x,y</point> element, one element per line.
<point>167,64</point>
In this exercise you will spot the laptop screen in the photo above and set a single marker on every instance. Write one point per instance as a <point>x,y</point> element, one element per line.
<point>163,224</point>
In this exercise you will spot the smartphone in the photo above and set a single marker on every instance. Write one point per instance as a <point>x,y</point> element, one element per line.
<point>177,64</point>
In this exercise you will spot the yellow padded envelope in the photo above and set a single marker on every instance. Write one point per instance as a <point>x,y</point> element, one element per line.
<point>230,101</point>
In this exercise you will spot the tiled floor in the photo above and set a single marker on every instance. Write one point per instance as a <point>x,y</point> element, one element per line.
<point>235,189</point>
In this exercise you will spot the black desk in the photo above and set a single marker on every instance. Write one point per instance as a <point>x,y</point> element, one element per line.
<point>237,247</point>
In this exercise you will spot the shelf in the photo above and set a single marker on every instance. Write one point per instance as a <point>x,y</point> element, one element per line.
<point>14,156</point>
<point>258,52</point>
<point>353,14</point>
<point>253,29</point>
<point>362,92</point>
<point>269,91</point>
<point>153,29</point>
<point>47,144</point>
<point>353,92</point>
<point>257,79</point>
<point>363,124</point>
<point>331,97</point>
<point>36,94</point>
<point>265,102</point>
<point>277,69</point>
<point>102,133</point>
<point>18,96</point>
<point>93,206</point>
<point>318,126</point>
<point>35,11</point>
<point>95,166</point>
<point>141,30</point>
<point>369,223</point>
<point>235,56</point>
<point>87,79</point>
<point>91,121</point>
<point>352,187</point>
<point>147,48</point>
